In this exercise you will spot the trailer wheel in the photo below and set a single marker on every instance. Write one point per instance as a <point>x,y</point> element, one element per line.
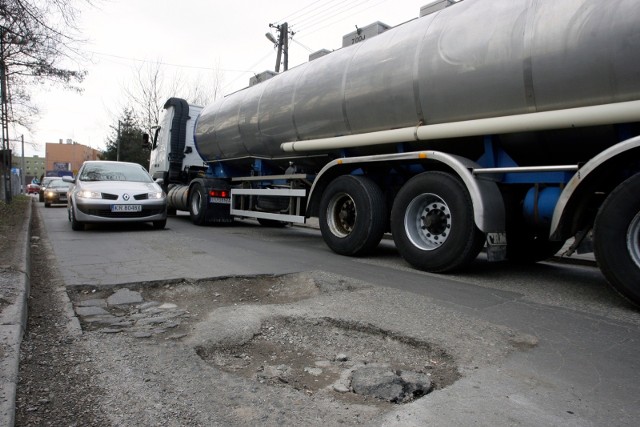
<point>353,215</point>
<point>432,223</point>
<point>617,239</point>
<point>198,205</point>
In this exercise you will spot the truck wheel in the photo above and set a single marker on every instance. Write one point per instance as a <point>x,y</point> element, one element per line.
<point>617,239</point>
<point>198,205</point>
<point>432,223</point>
<point>75,224</point>
<point>353,215</point>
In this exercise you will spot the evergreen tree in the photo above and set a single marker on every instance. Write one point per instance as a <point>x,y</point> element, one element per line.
<point>129,134</point>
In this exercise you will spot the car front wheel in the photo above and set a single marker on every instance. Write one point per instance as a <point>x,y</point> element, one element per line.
<point>75,224</point>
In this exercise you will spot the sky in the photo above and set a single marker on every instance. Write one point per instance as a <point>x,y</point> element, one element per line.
<point>190,38</point>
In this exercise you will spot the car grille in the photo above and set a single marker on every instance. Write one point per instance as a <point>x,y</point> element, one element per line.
<point>106,213</point>
<point>143,196</point>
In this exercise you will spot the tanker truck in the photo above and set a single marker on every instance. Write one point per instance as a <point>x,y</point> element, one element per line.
<point>509,125</point>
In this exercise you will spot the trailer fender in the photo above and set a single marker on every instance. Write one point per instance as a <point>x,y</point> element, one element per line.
<point>488,206</point>
<point>606,161</point>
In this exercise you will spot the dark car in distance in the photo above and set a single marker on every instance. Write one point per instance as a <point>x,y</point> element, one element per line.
<point>56,192</point>
<point>44,184</point>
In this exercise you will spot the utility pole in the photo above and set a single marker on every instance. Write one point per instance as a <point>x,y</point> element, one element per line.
<point>6,163</point>
<point>118,144</point>
<point>22,174</point>
<point>282,44</point>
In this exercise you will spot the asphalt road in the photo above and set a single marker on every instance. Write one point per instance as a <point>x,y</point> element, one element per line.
<point>582,370</point>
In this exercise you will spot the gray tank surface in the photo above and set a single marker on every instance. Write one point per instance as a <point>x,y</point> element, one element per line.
<point>475,59</point>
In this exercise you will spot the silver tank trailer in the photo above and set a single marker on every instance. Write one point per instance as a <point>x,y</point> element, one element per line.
<point>475,59</point>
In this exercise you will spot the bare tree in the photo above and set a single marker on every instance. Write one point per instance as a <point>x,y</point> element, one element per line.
<point>151,86</point>
<point>39,42</point>
<point>148,92</point>
<point>205,87</point>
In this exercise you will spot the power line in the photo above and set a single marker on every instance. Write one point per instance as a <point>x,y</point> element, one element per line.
<point>328,13</point>
<point>290,16</point>
<point>315,30</point>
<point>168,63</point>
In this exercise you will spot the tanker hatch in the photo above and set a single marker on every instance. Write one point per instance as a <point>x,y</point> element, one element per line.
<point>261,77</point>
<point>365,33</point>
<point>434,6</point>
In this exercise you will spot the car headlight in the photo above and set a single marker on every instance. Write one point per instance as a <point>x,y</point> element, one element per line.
<point>87,194</point>
<point>156,195</point>
<point>50,193</point>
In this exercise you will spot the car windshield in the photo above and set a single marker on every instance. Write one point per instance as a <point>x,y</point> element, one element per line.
<point>114,172</point>
<point>58,183</point>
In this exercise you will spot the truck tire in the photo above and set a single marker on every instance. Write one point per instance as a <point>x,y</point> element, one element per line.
<point>432,223</point>
<point>617,239</point>
<point>198,205</point>
<point>353,215</point>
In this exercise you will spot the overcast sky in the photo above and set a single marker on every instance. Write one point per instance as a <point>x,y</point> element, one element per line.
<point>191,37</point>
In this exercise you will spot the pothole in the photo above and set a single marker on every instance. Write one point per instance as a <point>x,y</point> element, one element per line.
<point>346,360</point>
<point>350,361</point>
<point>154,308</point>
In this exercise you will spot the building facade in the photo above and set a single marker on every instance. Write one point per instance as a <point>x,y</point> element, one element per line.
<point>34,167</point>
<point>68,156</point>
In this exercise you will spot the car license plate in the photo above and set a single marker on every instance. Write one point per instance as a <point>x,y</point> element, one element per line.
<point>226,201</point>
<point>63,198</point>
<point>126,208</point>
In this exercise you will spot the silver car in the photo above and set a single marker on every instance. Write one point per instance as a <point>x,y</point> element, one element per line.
<point>106,191</point>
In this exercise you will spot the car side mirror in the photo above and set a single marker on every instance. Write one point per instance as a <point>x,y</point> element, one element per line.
<point>70,179</point>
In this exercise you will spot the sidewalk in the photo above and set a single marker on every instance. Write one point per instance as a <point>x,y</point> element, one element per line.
<point>14,292</point>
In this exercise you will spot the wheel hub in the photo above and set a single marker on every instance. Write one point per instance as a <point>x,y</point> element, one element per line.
<point>428,221</point>
<point>341,215</point>
<point>633,239</point>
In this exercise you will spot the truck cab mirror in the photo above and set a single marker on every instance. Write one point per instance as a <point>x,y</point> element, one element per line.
<point>145,140</point>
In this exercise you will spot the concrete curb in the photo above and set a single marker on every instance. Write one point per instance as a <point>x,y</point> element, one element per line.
<point>13,321</point>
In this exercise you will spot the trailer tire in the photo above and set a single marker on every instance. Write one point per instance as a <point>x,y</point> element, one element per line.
<point>433,225</point>
<point>617,239</point>
<point>353,215</point>
<point>198,205</point>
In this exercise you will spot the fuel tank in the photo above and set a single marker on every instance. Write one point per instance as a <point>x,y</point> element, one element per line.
<point>475,59</point>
